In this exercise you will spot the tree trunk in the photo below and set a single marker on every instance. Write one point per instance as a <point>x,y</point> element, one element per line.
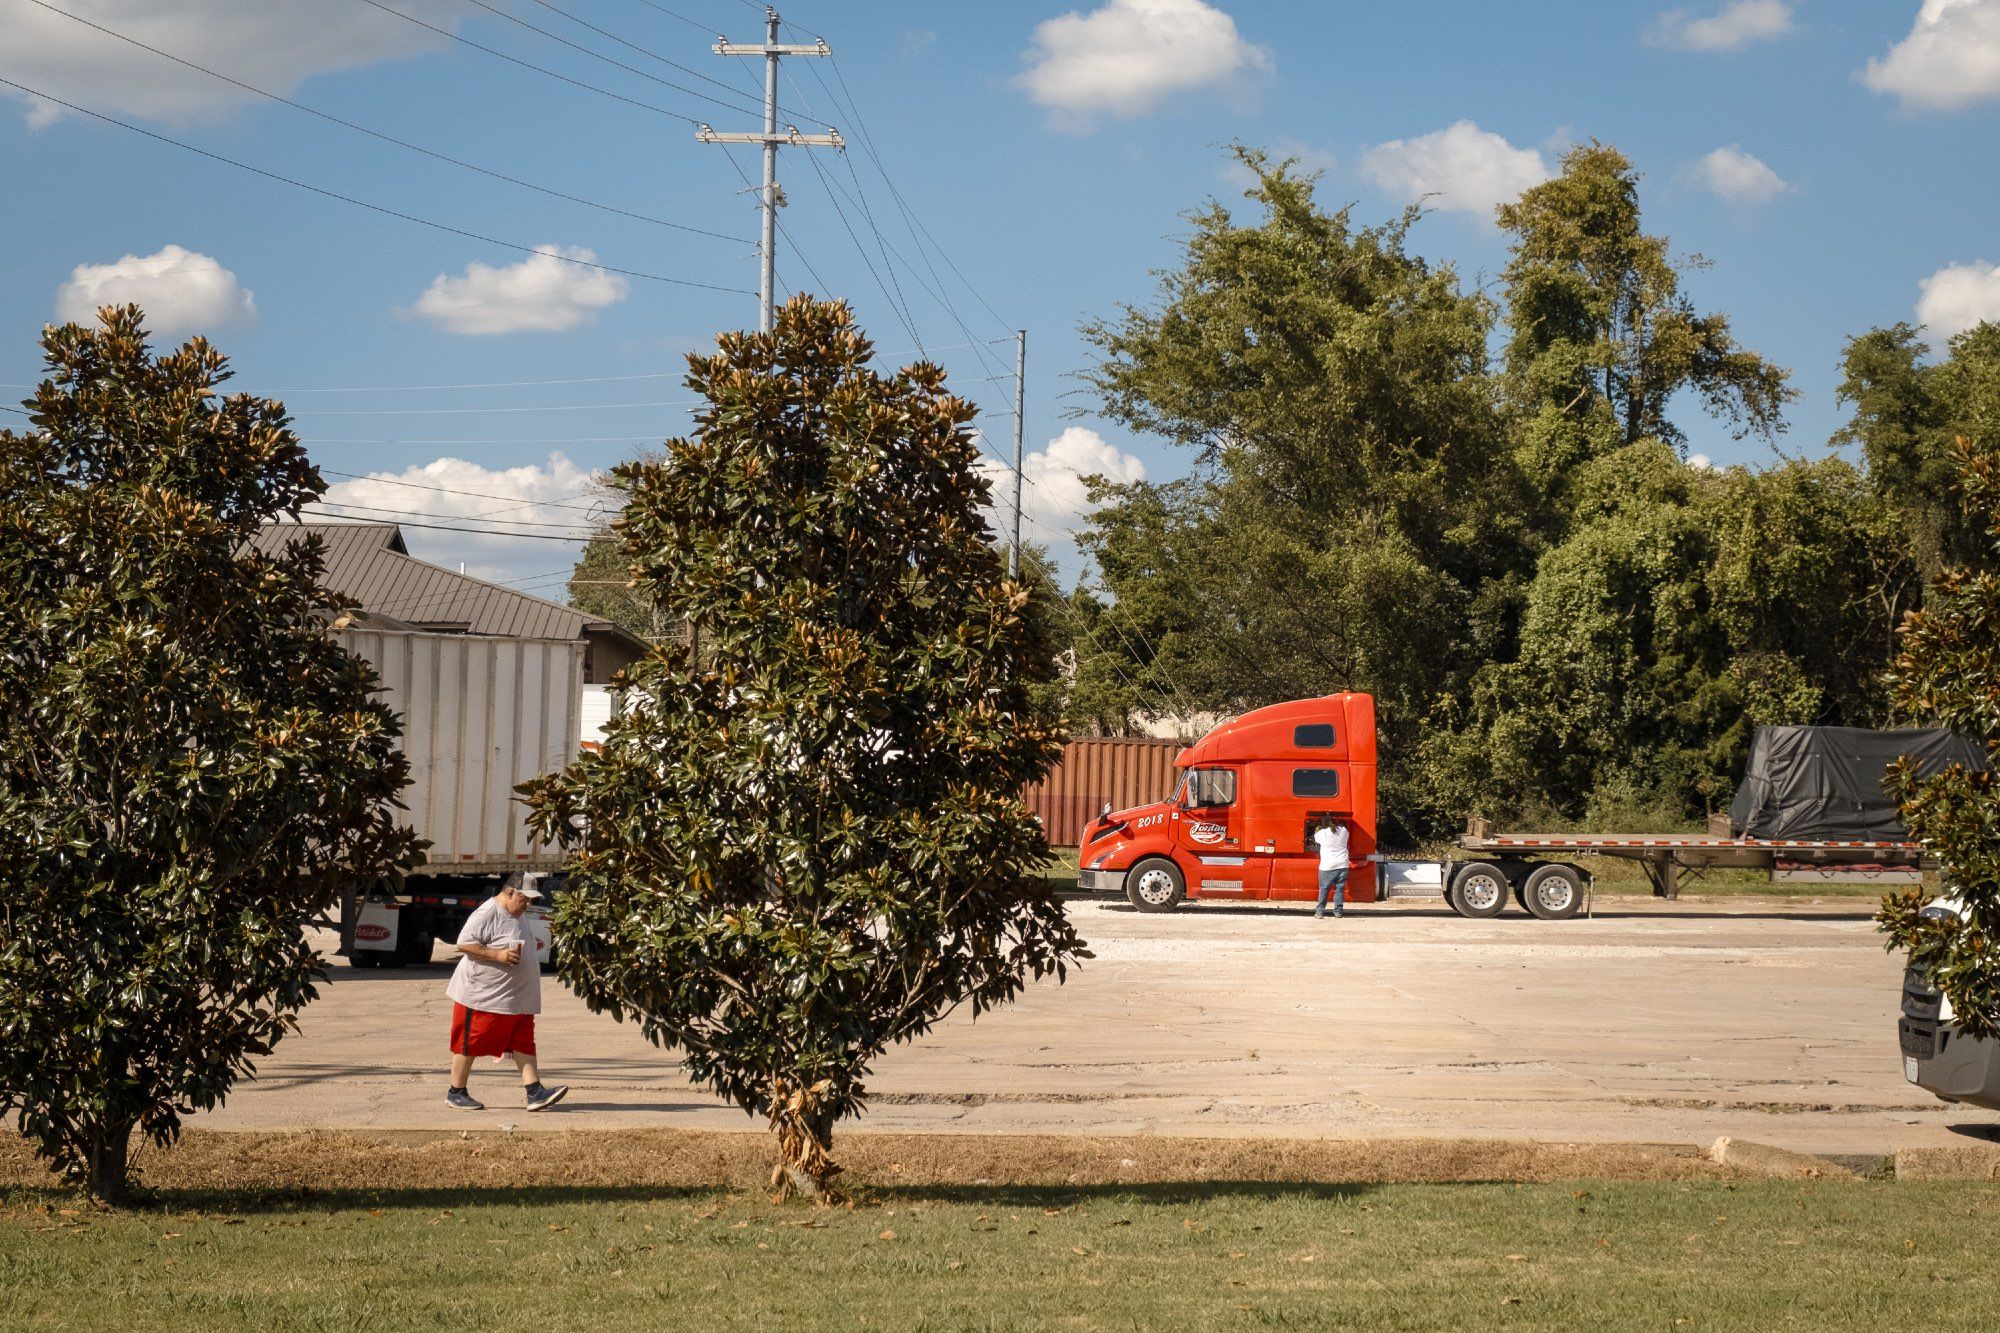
<point>108,1163</point>
<point>805,1133</point>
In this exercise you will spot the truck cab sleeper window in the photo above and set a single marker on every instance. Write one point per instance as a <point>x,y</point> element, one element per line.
<point>1315,782</point>
<point>1313,736</point>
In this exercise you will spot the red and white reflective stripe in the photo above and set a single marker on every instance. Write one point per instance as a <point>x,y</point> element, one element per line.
<point>1692,843</point>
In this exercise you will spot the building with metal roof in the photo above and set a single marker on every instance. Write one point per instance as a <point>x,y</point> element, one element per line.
<point>369,563</point>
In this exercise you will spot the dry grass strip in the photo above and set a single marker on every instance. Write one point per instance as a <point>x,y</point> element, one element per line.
<point>684,1159</point>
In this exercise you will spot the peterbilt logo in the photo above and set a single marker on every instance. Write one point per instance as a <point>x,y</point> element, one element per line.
<point>371,932</point>
<point>1206,833</point>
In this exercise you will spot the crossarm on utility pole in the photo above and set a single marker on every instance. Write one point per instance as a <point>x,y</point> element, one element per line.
<point>771,49</point>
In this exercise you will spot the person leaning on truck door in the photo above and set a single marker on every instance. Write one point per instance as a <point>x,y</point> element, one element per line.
<point>1332,840</point>
<point>496,992</point>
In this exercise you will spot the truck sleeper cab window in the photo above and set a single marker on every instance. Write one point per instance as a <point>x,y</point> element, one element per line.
<point>1315,782</point>
<point>1207,788</point>
<point>1313,736</point>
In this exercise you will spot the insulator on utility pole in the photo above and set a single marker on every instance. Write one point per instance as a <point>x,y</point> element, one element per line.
<point>771,139</point>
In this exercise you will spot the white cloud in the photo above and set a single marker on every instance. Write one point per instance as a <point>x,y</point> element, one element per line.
<point>272,44</point>
<point>1959,296</point>
<point>1702,461</point>
<point>1739,177</point>
<point>542,294</point>
<point>1128,56</point>
<point>1951,57</point>
<point>1737,25</point>
<point>180,290</point>
<point>453,492</point>
<point>1053,500</point>
<point>1461,168</point>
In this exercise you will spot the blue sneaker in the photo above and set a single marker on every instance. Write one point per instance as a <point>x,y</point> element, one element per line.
<point>541,1098</point>
<point>462,1100</point>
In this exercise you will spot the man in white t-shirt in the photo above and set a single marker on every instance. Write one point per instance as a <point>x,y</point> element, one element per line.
<point>496,992</point>
<point>1332,841</point>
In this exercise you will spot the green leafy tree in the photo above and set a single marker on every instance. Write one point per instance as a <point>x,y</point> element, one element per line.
<point>810,844</point>
<point>1944,676</point>
<point>1601,337</point>
<point>1685,607</point>
<point>601,585</point>
<point>1352,487</point>
<point>1907,413</point>
<point>190,766</point>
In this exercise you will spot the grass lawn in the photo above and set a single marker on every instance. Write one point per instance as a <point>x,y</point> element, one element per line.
<point>1701,1255</point>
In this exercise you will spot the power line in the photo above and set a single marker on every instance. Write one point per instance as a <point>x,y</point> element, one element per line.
<point>462,411</point>
<point>862,250</point>
<point>651,55</point>
<point>534,384</point>
<point>447,490</point>
<point>481,532</point>
<point>463,518</point>
<point>495,384</point>
<point>910,217</point>
<point>599,55</point>
<point>389,138</point>
<point>524,64</point>
<point>375,208</point>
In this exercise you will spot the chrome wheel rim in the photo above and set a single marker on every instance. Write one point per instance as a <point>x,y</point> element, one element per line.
<point>1156,887</point>
<point>1479,892</point>
<point>1555,893</point>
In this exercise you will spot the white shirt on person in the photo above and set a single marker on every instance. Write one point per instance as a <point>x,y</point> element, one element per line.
<point>1332,847</point>
<point>497,988</point>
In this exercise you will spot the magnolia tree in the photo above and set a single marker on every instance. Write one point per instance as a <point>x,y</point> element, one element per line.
<point>804,840</point>
<point>1945,677</point>
<point>190,767</point>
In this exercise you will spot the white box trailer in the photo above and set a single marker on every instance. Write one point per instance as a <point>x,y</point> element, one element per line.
<point>481,715</point>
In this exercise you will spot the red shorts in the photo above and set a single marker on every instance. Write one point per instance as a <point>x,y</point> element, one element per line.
<point>476,1032</point>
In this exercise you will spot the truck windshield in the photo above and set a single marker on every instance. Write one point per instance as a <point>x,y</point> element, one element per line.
<point>1206,788</point>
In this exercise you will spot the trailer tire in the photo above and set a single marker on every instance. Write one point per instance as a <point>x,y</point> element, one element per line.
<point>366,958</point>
<point>1479,890</point>
<point>1553,892</point>
<point>1155,886</point>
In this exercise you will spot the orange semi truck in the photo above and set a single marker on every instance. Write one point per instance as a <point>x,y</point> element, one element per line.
<point>1249,795</point>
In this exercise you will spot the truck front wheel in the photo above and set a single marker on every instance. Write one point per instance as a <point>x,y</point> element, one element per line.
<point>1553,892</point>
<point>1155,886</point>
<point>1478,890</point>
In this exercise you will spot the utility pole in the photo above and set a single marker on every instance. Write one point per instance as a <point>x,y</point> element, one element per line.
<point>1020,426</point>
<point>771,137</point>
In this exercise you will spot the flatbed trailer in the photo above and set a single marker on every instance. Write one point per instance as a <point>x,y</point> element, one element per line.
<point>1501,861</point>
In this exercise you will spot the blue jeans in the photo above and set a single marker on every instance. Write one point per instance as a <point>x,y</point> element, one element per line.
<point>1337,881</point>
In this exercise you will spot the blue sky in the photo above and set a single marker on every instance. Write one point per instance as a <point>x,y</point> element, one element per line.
<point>1829,159</point>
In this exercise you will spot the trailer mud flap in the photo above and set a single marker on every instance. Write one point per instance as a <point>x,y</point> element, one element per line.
<point>377,927</point>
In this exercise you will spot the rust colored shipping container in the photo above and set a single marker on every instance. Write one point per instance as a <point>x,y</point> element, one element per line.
<point>1125,772</point>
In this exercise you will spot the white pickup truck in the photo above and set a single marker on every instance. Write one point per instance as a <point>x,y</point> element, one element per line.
<point>1937,1056</point>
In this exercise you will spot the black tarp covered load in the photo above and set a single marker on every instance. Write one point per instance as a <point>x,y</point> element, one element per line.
<point>1825,783</point>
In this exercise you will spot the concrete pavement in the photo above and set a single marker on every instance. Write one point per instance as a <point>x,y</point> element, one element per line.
<point>1761,1019</point>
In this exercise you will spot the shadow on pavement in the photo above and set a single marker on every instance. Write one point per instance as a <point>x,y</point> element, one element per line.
<point>238,1202</point>
<point>1986,1133</point>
